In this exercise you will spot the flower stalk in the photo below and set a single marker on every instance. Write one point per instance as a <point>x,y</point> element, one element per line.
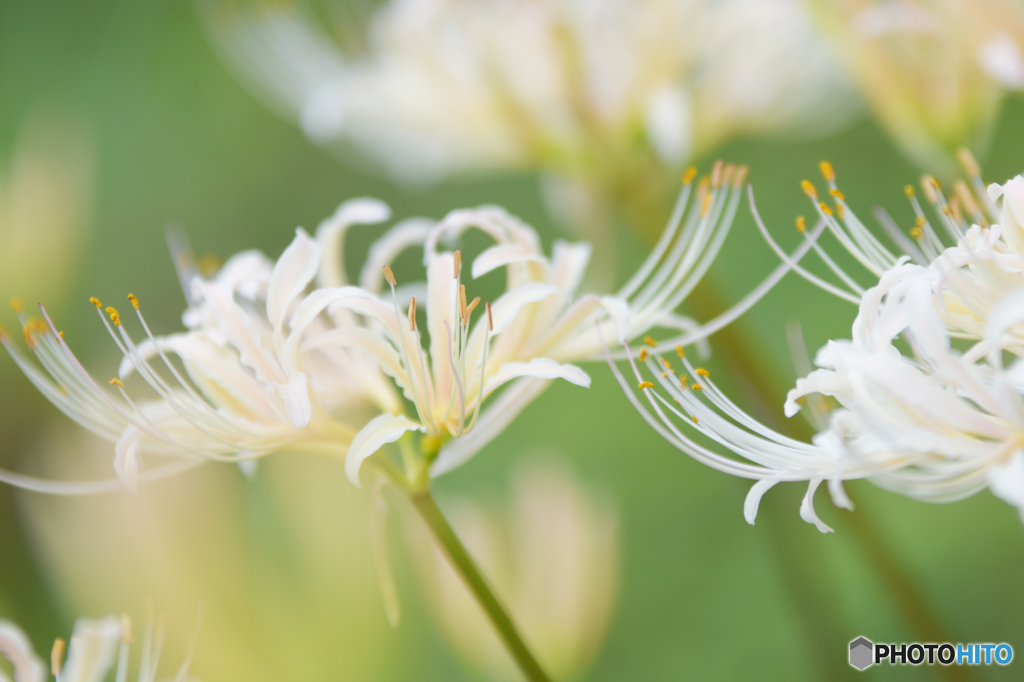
<point>464,565</point>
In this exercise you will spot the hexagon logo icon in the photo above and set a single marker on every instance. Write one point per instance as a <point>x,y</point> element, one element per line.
<point>861,653</point>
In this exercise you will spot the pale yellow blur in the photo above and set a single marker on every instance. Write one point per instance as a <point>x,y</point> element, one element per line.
<point>46,187</point>
<point>552,555</point>
<point>934,72</point>
<point>280,564</point>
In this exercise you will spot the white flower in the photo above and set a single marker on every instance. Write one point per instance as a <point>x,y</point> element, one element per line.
<point>939,422</point>
<point>933,72</point>
<point>97,647</point>
<point>248,390</point>
<point>271,365</point>
<point>578,88</point>
<point>532,334</point>
<point>554,555</point>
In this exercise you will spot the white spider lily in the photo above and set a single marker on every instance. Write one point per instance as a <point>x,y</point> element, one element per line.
<point>248,390</point>
<point>533,333</point>
<point>939,423</point>
<point>452,85</point>
<point>933,72</point>
<point>97,647</point>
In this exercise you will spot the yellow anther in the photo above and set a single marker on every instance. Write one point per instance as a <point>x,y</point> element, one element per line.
<point>700,371</point>
<point>688,175</point>
<point>490,320</point>
<point>677,402</point>
<point>809,189</point>
<point>696,387</point>
<point>645,384</point>
<point>916,232</point>
<point>919,221</point>
<point>827,171</point>
<point>947,211</point>
<point>472,306</point>
<point>931,188</point>
<point>970,205</point>
<point>388,275</point>
<point>209,265</point>
<point>694,418</point>
<point>801,224</point>
<point>116,382</point>
<point>650,342</point>
<point>115,317</point>
<point>841,210</point>
<point>967,161</point>
<point>668,365</point>
<point>664,375</point>
<point>705,207</point>
<point>17,303</point>
<point>126,629</point>
<point>643,355</point>
<point>716,174</point>
<point>134,300</point>
<point>680,352</point>
<point>96,302</point>
<point>837,194</point>
<point>60,334</point>
<point>412,314</point>
<point>727,173</point>
<point>682,381</point>
<point>740,177</point>
<point>824,208</point>
<point>462,302</point>
<point>457,269</point>
<point>909,191</point>
<point>57,656</point>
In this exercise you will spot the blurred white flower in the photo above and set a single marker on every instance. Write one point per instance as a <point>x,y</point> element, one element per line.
<point>554,555</point>
<point>45,205</point>
<point>271,365</point>
<point>583,89</point>
<point>97,648</point>
<point>939,422</point>
<point>934,72</point>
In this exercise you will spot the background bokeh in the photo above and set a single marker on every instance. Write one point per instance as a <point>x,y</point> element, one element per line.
<point>703,595</point>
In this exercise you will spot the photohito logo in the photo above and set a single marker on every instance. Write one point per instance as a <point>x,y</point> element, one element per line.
<point>865,653</point>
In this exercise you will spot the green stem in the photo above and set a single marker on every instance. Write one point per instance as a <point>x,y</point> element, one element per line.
<point>464,566</point>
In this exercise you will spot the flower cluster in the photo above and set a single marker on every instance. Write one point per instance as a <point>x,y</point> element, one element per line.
<point>292,355</point>
<point>432,88</point>
<point>928,387</point>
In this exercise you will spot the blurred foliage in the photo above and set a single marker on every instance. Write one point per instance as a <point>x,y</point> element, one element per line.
<point>703,595</point>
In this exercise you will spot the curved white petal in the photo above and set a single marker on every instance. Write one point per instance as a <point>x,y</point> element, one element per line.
<point>807,512</point>
<point>330,235</point>
<point>291,399</point>
<point>387,428</point>
<point>753,499</point>
<point>16,648</point>
<point>126,460</point>
<point>503,254</point>
<point>294,271</point>
<point>540,368</point>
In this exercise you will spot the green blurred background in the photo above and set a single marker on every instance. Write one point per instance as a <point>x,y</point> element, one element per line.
<point>702,596</point>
